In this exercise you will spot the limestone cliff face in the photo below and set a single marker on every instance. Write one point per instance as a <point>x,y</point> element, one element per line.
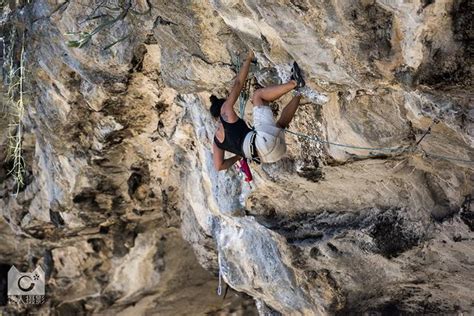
<point>122,205</point>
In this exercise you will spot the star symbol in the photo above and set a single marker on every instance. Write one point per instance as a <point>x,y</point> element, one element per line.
<point>36,277</point>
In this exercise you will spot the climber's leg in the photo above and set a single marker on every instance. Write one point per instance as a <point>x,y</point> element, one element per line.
<point>268,94</point>
<point>288,112</point>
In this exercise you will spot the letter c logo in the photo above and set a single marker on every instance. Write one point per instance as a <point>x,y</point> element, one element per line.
<point>29,288</point>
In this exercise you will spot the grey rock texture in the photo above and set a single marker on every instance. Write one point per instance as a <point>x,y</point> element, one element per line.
<point>123,208</point>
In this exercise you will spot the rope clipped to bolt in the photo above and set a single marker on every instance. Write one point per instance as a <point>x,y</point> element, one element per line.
<point>244,96</point>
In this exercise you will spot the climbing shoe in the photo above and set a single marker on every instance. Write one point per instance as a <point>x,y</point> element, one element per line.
<point>297,76</point>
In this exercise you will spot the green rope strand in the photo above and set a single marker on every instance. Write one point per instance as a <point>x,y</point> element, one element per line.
<point>244,94</point>
<point>317,139</point>
<point>383,149</point>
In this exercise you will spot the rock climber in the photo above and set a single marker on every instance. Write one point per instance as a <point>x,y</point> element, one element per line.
<point>266,141</point>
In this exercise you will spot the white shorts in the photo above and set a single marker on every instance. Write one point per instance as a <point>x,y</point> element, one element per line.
<point>269,139</point>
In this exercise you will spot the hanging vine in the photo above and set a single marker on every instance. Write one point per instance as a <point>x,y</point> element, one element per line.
<point>15,105</point>
<point>108,13</point>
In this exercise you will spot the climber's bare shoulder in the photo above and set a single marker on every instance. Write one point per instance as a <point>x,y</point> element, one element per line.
<point>228,113</point>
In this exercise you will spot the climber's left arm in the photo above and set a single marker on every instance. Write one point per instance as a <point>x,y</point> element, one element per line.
<point>238,83</point>
<point>229,162</point>
<point>219,162</point>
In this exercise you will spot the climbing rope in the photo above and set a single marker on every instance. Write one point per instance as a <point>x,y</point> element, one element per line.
<point>244,93</point>
<point>244,96</point>
<point>317,139</point>
<point>411,148</point>
<point>446,158</point>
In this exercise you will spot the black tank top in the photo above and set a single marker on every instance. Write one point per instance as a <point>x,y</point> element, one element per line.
<point>234,136</point>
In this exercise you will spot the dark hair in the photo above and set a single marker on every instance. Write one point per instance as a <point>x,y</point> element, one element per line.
<point>216,105</point>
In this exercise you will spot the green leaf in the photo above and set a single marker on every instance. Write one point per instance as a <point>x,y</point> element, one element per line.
<point>83,42</point>
<point>73,43</point>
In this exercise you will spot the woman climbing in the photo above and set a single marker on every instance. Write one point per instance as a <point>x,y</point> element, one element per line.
<point>264,143</point>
